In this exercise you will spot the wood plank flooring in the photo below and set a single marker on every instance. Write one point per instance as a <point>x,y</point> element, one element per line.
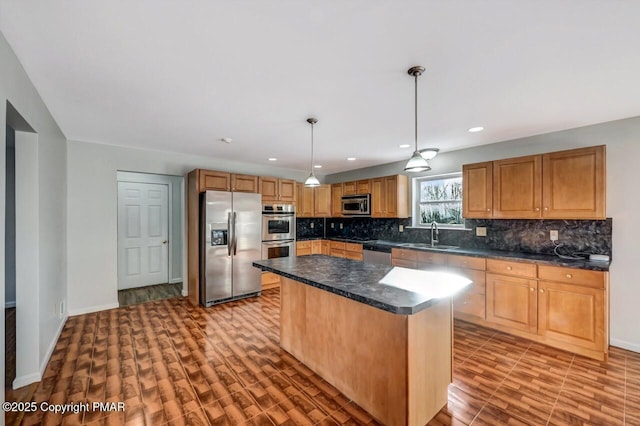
<point>173,363</point>
<point>133,296</point>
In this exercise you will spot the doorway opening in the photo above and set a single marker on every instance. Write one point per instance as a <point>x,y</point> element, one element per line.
<point>150,237</point>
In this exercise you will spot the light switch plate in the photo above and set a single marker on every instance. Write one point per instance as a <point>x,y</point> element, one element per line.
<point>481,231</point>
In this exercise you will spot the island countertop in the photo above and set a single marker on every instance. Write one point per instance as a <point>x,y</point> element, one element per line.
<point>397,290</point>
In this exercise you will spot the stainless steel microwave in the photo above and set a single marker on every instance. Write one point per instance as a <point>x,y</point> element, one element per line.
<point>356,205</point>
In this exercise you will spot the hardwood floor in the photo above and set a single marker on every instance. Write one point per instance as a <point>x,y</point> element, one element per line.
<point>133,296</point>
<point>173,363</point>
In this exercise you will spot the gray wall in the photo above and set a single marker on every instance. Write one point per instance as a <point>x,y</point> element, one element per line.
<point>10,221</point>
<point>622,138</point>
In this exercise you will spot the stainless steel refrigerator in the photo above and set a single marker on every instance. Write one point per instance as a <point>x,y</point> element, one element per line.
<point>230,241</point>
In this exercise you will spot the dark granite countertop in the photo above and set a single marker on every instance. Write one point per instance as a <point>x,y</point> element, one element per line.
<point>541,259</point>
<point>397,290</point>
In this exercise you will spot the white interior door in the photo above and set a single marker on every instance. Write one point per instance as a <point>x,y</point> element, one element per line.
<point>143,234</point>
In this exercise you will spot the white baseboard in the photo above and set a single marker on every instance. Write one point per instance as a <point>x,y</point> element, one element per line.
<point>635,347</point>
<point>10,304</point>
<point>21,381</point>
<point>90,309</point>
<point>175,280</point>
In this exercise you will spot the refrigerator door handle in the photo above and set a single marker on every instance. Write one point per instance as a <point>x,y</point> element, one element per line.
<point>230,239</point>
<point>235,238</point>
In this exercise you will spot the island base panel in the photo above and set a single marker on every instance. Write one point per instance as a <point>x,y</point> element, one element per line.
<point>397,367</point>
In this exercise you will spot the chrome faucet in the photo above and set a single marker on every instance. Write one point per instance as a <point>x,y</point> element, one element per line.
<point>434,227</point>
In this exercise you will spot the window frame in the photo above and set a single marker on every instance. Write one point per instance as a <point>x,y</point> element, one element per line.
<point>415,201</point>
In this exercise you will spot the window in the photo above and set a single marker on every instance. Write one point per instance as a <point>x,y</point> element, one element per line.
<point>438,199</point>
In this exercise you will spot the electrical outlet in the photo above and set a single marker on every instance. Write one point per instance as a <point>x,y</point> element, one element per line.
<point>481,231</point>
<point>401,228</point>
<point>553,235</point>
<point>333,225</point>
<point>312,225</point>
<point>341,226</point>
<point>61,311</point>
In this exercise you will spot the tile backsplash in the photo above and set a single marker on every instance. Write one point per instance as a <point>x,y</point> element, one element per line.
<point>522,235</point>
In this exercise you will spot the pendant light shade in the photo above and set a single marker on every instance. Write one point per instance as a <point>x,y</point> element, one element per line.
<point>416,163</point>
<point>312,180</point>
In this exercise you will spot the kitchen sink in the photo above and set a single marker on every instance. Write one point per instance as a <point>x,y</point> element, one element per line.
<point>428,245</point>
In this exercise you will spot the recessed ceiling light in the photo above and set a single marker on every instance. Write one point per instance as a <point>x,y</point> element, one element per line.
<point>318,166</point>
<point>351,159</point>
<point>476,129</point>
<point>405,145</point>
<point>272,159</point>
<point>226,140</point>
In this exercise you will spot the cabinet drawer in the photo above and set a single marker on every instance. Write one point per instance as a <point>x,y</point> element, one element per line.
<point>337,252</point>
<point>506,267</point>
<point>468,262</point>
<point>353,247</point>
<point>339,245</point>
<point>404,263</point>
<point>404,254</point>
<point>470,304</point>
<point>353,255</point>
<point>431,258</point>
<point>595,279</point>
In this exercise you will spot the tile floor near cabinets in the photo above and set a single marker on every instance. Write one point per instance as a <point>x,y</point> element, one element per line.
<point>173,363</point>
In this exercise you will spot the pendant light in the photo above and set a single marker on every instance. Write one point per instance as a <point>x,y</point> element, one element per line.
<point>312,180</point>
<point>416,163</point>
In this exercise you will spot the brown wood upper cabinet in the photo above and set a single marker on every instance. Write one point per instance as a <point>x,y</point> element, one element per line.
<point>390,196</point>
<point>221,181</point>
<point>313,202</point>
<point>477,190</point>
<point>558,185</point>
<point>336,200</point>
<point>275,189</point>
<point>356,187</point>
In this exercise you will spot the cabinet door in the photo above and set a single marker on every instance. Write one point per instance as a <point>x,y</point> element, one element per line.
<point>214,181</point>
<point>572,314</point>
<point>477,190</point>
<point>244,183</point>
<point>268,188</point>
<point>287,190</point>
<point>391,196</point>
<point>573,184</point>
<point>378,201</point>
<point>336,200</point>
<point>349,188</point>
<point>316,247</point>
<point>517,188</point>
<point>363,186</point>
<point>270,280</point>
<point>512,302</point>
<point>471,301</point>
<point>303,248</point>
<point>304,203</point>
<point>322,201</point>
<point>325,247</point>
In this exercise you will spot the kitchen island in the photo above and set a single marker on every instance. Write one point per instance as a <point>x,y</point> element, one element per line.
<point>381,335</point>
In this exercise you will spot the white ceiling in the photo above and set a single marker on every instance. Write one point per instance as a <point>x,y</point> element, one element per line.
<point>180,75</point>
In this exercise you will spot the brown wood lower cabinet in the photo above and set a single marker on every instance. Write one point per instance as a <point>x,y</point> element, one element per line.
<point>562,307</point>
<point>270,280</point>
<point>512,302</point>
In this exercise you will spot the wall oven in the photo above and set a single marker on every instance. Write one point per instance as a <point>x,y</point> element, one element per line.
<point>274,249</point>
<point>356,205</point>
<point>278,222</point>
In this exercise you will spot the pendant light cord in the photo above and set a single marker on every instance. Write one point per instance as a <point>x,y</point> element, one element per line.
<point>311,166</point>
<point>415,78</point>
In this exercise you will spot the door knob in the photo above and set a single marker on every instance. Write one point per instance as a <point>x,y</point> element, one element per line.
<point>165,241</point>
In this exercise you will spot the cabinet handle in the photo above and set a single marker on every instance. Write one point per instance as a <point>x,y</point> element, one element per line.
<point>541,290</point>
<point>569,276</point>
<point>546,208</point>
<point>488,210</point>
<point>532,289</point>
<point>537,209</point>
<point>509,268</point>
